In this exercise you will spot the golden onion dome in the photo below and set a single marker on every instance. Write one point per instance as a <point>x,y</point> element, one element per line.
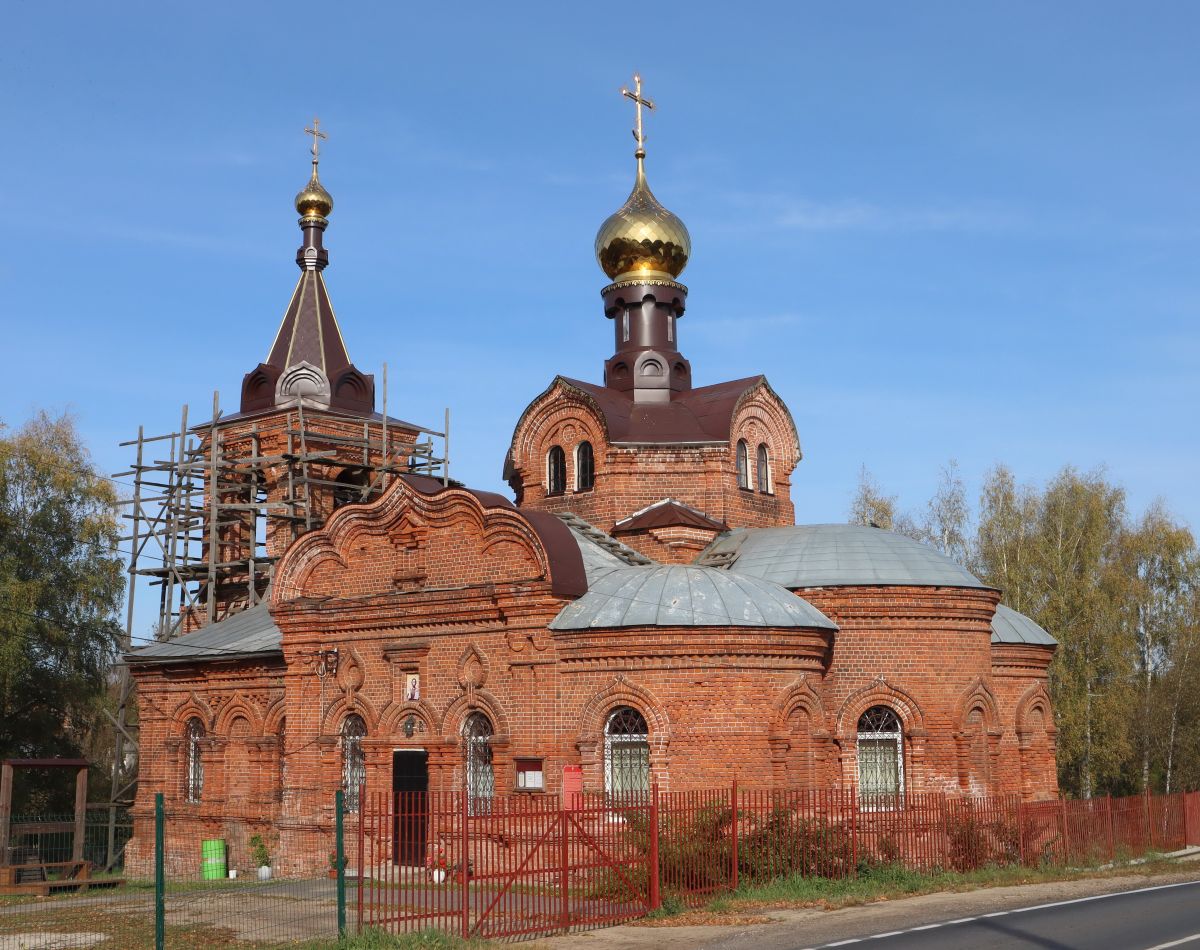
<point>642,238</point>
<point>314,200</point>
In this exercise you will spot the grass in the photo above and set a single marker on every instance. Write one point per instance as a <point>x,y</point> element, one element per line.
<point>422,940</point>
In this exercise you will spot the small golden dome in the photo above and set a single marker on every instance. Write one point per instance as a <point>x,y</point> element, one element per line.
<point>642,238</point>
<point>314,201</point>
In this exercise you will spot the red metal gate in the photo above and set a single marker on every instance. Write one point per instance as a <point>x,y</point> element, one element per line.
<point>503,866</point>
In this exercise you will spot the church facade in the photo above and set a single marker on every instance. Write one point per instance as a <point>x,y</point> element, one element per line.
<point>643,610</point>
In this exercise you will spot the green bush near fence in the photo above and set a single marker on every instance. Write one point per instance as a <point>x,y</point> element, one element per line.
<point>784,843</point>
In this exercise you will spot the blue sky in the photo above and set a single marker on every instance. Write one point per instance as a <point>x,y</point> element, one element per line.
<point>942,230</point>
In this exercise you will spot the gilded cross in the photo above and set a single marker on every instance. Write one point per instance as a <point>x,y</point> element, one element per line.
<point>638,101</point>
<point>317,134</point>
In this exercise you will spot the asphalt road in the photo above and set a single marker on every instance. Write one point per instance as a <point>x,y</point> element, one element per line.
<point>1151,918</point>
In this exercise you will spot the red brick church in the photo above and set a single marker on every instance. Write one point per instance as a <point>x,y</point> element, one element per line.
<point>643,610</point>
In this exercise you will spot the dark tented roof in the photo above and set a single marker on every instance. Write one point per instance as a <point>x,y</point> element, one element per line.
<point>1008,626</point>
<point>832,555</point>
<point>685,595</point>
<point>251,632</point>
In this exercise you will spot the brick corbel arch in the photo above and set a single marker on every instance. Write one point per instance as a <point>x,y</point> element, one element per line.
<point>274,717</point>
<point>1038,771</point>
<point>1036,697</point>
<point>799,696</point>
<point>559,397</point>
<point>977,695</point>
<point>239,707</point>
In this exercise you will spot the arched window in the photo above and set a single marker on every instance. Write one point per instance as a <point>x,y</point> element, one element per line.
<point>585,467</point>
<point>743,465</point>
<point>477,751</point>
<point>354,762</point>
<point>556,471</point>
<point>195,765</point>
<point>626,753</point>
<point>880,758</point>
<point>764,469</point>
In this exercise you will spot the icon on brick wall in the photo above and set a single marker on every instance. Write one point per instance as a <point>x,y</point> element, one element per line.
<point>412,687</point>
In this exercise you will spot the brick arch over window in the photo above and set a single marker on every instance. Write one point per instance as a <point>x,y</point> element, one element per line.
<point>475,700</point>
<point>335,712</point>
<point>593,721</point>
<point>622,692</point>
<point>194,706</point>
<point>273,719</point>
<point>880,693</point>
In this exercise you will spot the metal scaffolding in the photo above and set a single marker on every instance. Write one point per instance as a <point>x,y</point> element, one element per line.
<point>209,518</point>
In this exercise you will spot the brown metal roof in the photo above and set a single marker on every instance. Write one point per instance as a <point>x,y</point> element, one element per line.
<point>701,415</point>
<point>669,513</point>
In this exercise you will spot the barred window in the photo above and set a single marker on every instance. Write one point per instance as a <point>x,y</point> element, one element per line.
<point>880,758</point>
<point>585,467</point>
<point>743,465</point>
<point>195,765</point>
<point>477,752</point>
<point>354,762</point>
<point>626,753</point>
<point>556,471</point>
<point>764,469</point>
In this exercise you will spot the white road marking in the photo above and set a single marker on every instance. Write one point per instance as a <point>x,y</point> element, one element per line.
<point>1022,910</point>
<point>1175,943</point>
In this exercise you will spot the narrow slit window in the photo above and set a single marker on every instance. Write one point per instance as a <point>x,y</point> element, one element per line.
<point>585,467</point>
<point>743,465</point>
<point>556,471</point>
<point>764,469</point>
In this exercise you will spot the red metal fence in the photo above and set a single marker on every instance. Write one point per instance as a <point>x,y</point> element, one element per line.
<point>525,864</point>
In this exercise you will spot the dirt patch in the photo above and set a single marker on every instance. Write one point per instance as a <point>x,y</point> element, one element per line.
<point>50,941</point>
<point>703,918</point>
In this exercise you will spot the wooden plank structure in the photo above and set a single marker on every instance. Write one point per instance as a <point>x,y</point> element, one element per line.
<point>21,873</point>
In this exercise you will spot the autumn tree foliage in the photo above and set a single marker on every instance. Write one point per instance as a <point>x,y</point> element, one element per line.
<point>1120,593</point>
<point>61,586</point>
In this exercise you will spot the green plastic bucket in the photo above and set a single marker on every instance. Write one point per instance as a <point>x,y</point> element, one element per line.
<point>212,859</point>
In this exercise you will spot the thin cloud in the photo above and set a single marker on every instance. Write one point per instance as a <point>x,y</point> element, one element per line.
<point>789,213</point>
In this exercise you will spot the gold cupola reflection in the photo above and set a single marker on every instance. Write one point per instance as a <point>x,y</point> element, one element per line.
<point>314,201</point>
<point>642,239</point>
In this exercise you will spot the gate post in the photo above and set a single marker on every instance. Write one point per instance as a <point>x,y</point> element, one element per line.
<point>734,802</point>
<point>653,870</point>
<point>362,877</point>
<point>339,803</point>
<point>1108,822</point>
<point>160,884</point>
<point>564,874</point>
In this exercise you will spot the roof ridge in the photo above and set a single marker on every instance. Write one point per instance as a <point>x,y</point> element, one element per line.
<point>605,541</point>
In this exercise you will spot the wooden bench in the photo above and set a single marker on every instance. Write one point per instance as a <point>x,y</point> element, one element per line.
<point>34,878</point>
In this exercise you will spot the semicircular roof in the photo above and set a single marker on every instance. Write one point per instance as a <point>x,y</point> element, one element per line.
<point>1008,626</point>
<point>832,555</point>
<point>684,595</point>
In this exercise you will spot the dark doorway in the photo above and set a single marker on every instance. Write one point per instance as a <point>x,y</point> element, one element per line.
<point>410,790</point>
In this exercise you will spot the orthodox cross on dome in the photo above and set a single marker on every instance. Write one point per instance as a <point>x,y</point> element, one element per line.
<point>638,100</point>
<point>317,134</point>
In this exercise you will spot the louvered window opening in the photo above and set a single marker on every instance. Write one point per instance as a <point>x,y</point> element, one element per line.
<point>195,764</point>
<point>626,754</point>
<point>880,759</point>
<point>480,775</point>
<point>354,762</point>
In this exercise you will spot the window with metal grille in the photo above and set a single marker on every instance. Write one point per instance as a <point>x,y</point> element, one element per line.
<point>195,765</point>
<point>626,753</point>
<point>764,469</point>
<point>556,471</point>
<point>585,467</point>
<point>743,465</point>
<point>354,762</point>
<point>880,758</point>
<point>477,753</point>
